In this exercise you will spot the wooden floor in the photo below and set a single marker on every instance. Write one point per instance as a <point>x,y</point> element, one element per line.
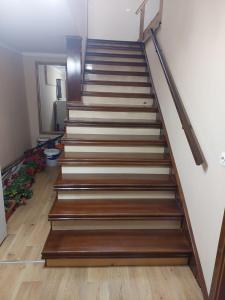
<point>25,279</point>
<point>28,227</point>
<point>33,282</point>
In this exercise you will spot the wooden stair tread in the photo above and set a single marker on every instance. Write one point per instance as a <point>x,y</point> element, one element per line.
<point>114,42</point>
<point>117,83</point>
<point>113,137</point>
<point>115,243</point>
<point>117,95</point>
<point>114,122</point>
<point>95,246</point>
<point>76,106</point>
<point>115,55</point>
<point>115,159</point>
<point>115,63</point>
<point>116,209</point>
<point>110,139</point>
<point>115,181</point>
<point>74,157</point>
<point>114,47</point>
<point>119,73</point>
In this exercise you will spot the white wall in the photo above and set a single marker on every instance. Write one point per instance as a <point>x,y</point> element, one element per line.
<point>192,38</point>
<point>14,123</point>
<point>113,20</point>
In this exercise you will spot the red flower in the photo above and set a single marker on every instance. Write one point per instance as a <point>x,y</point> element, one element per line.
<point>6,182</point>
<point>30,171</point>
<point>14,176</point>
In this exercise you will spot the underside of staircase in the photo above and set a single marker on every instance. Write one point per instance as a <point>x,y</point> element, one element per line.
<point>117,199</point>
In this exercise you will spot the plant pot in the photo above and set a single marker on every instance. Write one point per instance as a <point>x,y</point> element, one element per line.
<point>10,210</point>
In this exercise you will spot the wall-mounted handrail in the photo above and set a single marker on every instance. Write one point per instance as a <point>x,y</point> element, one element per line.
<point>185,121</point>
<point>74,68</point>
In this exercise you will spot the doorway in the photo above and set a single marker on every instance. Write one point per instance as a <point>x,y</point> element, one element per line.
<point>51,81</point>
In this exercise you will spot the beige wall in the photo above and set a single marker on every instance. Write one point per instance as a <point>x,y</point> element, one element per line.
<point>14,123</point>
<point>31,87</point>
<point>192,38</point>
<point>113,20</point>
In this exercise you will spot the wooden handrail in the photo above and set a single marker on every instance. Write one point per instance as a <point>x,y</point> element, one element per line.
<point>141,10</point>
<point>141,7</point>
<point>74,68</point>
<point>155,22</point>
<point>185,121</point>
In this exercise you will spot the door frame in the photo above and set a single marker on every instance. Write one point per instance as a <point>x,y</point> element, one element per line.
<point>37,64</point>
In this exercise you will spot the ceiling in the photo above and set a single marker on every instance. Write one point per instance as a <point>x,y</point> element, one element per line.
<point>41,25</point>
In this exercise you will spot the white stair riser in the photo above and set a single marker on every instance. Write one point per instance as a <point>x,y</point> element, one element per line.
<point>89,100</point>
<point>116,78</point>
<point>112,130</point>
<point>115,68</point>
<point>117,224</point>
<point>100,50</point>
<point>115,170</point>
<point>115,149</point>
<point>122,59</point>
<point>116,89</point>
<point>82,114</point>
<point>87,195</point>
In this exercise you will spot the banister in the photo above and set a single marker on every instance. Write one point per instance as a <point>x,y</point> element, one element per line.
<point>140,8</point>
<point>185,121</point>
<point>154,23</point>
<point>74,68</point>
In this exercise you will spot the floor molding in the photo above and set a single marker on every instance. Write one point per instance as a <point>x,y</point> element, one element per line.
<point>15,262</point>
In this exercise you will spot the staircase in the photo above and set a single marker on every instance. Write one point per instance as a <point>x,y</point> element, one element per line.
<point>117,199</point>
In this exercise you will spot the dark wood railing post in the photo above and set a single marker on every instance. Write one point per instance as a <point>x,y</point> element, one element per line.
<point>185,121</point>
<point>74,68</point>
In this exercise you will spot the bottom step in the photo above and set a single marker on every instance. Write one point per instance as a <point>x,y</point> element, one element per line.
<point>111,262</point>
<point>116,247</point>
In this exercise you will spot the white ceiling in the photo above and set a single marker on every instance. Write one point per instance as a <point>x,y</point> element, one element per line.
<point>41,25</point>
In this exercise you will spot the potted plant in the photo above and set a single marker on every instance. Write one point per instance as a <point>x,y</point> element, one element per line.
<point>17,189</point>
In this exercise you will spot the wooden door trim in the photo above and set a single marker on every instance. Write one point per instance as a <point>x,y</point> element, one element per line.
<point>218,283</point>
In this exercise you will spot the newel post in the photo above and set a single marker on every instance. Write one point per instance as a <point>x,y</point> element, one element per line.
<point>74,67</point>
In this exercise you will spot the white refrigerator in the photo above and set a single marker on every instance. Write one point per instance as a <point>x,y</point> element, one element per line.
<point>3,228</point>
